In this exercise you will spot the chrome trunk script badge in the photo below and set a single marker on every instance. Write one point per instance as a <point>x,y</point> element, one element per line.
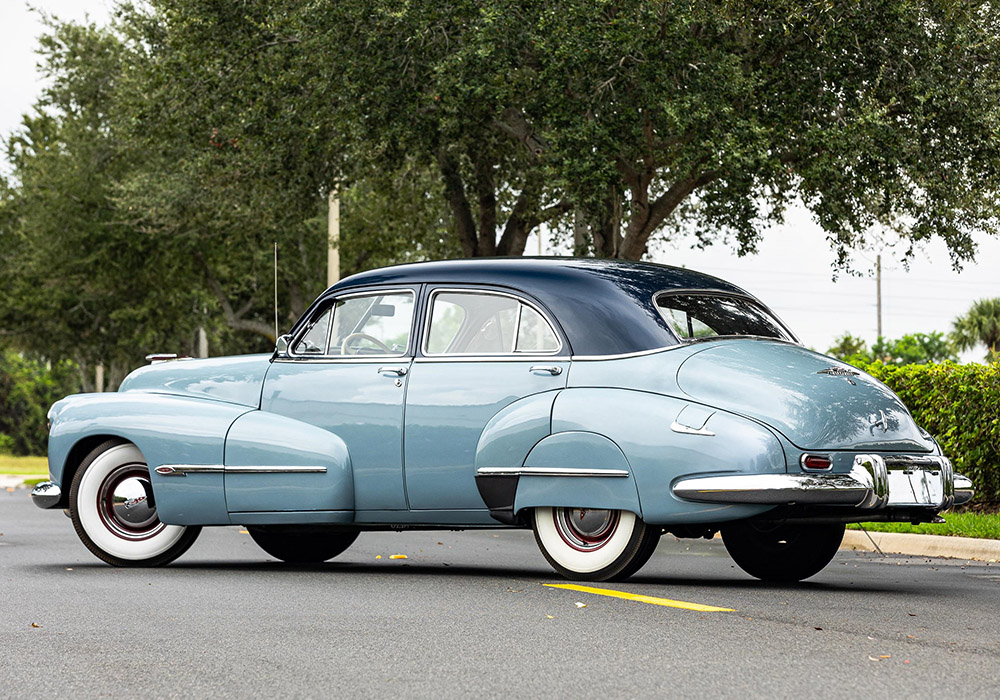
<point>841,372</point>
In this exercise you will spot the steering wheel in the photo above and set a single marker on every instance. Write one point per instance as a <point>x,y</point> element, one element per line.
<point>345,346</point>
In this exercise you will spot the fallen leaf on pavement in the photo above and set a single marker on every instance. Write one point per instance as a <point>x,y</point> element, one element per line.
<point>397,556</point>
<point>35,624</point>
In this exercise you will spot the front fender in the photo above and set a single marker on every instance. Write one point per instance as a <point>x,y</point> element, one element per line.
<point>167,430</point>
<point>275,463</point>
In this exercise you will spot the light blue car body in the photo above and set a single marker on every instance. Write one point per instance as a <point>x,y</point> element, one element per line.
<point>355,445</point>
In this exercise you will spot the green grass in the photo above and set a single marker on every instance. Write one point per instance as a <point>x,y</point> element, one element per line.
<point>981,525</point>
<point>30,466</point>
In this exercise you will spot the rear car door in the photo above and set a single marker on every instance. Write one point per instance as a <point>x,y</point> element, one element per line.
<point>482,349</point>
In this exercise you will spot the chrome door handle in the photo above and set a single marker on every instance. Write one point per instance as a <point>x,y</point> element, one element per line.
<point>554,370</point>
<point>398,371</point>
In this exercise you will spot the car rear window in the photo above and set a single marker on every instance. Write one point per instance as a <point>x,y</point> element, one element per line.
<point>707,315</point>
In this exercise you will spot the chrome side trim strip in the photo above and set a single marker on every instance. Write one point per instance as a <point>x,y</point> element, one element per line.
<point>549,471</point>
<point>264,469</point>
<point>185,469</point>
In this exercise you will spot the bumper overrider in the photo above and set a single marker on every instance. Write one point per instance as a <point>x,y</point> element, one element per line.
<point>875,483</point>
<point>46,494</point>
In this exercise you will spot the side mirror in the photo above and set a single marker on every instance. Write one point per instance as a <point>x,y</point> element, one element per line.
<point>281,345</point>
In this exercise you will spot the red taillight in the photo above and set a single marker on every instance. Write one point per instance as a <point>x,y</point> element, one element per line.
<point>816,462</point>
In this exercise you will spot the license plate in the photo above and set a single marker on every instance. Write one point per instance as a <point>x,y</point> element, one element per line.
<point>916,485</point>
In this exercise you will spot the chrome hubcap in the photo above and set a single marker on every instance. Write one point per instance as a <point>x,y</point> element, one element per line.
<point>125,502</point>
<point>585,529</point>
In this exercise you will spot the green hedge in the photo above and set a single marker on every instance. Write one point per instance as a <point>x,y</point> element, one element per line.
<point>960,406</point>
<point>27,388</point>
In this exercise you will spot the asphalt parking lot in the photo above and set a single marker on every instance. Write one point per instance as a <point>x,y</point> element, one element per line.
<point>469,614</point>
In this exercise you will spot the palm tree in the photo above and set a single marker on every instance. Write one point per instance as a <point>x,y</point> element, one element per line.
<point>980,324</point>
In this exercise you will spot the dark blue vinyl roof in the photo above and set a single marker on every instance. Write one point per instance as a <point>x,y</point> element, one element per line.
<point>605,307</point>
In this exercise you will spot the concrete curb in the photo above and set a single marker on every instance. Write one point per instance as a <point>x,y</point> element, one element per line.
<point>14,481</point>
<point>923,545</point>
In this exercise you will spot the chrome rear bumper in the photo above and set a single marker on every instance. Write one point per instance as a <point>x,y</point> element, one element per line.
<point>46,494</point>
<point>874,482</point>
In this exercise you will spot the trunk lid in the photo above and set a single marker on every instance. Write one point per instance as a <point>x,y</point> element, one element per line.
<point>818,403</point>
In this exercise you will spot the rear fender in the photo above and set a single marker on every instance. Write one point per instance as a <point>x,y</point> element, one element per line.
<point>608,483</point>
<point>664,439</point>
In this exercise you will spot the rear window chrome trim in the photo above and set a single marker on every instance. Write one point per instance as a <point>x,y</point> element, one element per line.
<point>792,338</point>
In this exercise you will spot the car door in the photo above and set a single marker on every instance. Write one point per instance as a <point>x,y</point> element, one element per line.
<point>346,372</point>
<point>482,350</point>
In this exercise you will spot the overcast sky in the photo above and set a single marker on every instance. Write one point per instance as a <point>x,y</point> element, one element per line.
<point>792,272</point>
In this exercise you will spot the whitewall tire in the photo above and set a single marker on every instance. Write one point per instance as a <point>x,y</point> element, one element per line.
<point>593,544</point>
<point>114,511</point>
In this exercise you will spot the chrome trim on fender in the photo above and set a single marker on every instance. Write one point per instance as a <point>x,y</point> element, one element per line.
<point>185,469</point>
<point>549,471</point>
<point>46,494</point>
<point>263,469</point>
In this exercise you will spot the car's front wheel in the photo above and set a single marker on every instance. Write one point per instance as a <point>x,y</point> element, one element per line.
<point>114,511</point>
<point>782,553</point>
<point>302,545</point>
<point>592,544</point>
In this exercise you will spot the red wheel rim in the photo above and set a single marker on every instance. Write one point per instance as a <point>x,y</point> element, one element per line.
<point>584,529</point>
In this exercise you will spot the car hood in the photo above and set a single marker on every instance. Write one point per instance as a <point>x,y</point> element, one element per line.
<point>818,403</point>
<point>235,380</point>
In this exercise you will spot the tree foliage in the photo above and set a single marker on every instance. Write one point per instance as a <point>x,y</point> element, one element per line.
<point>911,349</point>
<point>980,325</point>
<point>176,147</point>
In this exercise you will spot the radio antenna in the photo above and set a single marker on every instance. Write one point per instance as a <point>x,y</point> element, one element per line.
<point>275,290</point>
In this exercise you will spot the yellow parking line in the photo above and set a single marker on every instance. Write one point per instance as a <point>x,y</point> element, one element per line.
<point>640,598</point>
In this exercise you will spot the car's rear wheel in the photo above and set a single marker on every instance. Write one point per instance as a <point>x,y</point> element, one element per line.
<point>114,511</point>
<point>302,545</point>
<point>782,553</point>
<point>592,544</point>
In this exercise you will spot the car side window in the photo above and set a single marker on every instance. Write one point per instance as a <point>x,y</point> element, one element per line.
<point>372,324</point>
<point>313,341</point>
<point>481,323</point>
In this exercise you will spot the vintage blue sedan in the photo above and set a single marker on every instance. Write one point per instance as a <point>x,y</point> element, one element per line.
<point>599,403</point>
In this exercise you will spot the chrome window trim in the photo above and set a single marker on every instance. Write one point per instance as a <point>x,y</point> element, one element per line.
<point>550,471</point>
<point>327,357</point>
<point>625,355</point>
<point>426,330</point>
<point>792,338</point>
<point>490,358</point>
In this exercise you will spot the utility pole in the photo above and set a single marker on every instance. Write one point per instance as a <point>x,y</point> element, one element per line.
<point>878,291</point>
<point>99,377</point>
<point>333,234</point>
<point>202,342</point>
